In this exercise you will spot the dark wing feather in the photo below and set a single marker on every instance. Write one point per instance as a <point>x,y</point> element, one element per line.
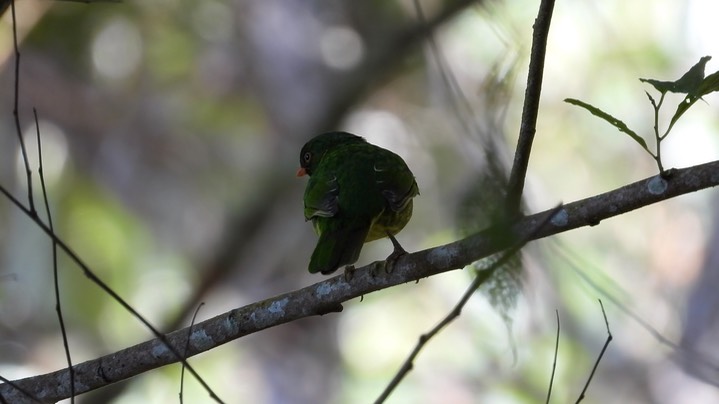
<point>395,181</point>
<point>321,196</point>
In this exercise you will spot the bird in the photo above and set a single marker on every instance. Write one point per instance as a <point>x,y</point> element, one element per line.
<point>357,192</point>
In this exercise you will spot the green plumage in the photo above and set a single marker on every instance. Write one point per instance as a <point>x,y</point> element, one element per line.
<point>357,192</point>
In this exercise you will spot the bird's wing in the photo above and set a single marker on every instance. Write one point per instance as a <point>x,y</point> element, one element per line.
<point>321,196</point>
<point>396,182</point>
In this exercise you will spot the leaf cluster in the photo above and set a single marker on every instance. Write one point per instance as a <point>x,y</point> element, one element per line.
<point>693,83</point>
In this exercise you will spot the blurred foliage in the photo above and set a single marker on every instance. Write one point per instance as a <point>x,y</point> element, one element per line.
<point>177,129</point>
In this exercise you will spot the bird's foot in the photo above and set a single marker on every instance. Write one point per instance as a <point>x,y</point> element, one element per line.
<point>349,273</point>
<point>396,254</point>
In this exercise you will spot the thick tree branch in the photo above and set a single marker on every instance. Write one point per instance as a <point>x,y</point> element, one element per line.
<point>328,295</point>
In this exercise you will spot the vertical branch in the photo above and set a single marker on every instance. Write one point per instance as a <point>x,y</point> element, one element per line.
<point>658,138</point>
<point>554,362</point>
<point>16,114</point>
<point>187,348</point>
<point>530,111</point>
<point>56,282</point>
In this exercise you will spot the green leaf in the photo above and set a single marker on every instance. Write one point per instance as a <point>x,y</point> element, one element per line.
<point>661,86</point>
<point>683,106</point>
<point>612,120</point>
<point>691,80</point>
<point>688,83</point>
<point>708,85</point>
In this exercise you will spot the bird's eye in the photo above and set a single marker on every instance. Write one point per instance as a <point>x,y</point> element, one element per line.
<point>306,157</point>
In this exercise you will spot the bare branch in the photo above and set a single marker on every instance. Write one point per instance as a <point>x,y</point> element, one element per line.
<point>189,332</point>
<point>56,282</point>
<point>16,114</point>
<point>554,362</point>
<point>530,112</point>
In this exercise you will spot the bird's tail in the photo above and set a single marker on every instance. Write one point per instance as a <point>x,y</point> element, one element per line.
<point>337,247</point>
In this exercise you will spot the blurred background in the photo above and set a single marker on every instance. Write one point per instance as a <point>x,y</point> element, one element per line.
<point>171,133</point>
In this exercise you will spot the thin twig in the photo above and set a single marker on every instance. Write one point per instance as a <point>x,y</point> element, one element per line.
<point>601,353</point>
<point>530,111</point>
<point>554,362</point>
<point>187,348</point>
<point>481,277</point>
<point>658,138</point>
<point>56,282</point>
<point>16,114</point>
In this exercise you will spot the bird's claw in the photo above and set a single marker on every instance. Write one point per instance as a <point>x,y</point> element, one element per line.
<point>394,256</point>
<point>386,266</point>
<point>392,260</point>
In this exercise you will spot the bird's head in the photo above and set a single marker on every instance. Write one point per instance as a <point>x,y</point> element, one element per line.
<point>313,151</point>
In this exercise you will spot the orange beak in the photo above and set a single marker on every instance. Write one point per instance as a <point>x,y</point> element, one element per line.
<point>301,172</point>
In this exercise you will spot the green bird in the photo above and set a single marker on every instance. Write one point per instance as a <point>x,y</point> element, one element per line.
<point>357,192</point>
